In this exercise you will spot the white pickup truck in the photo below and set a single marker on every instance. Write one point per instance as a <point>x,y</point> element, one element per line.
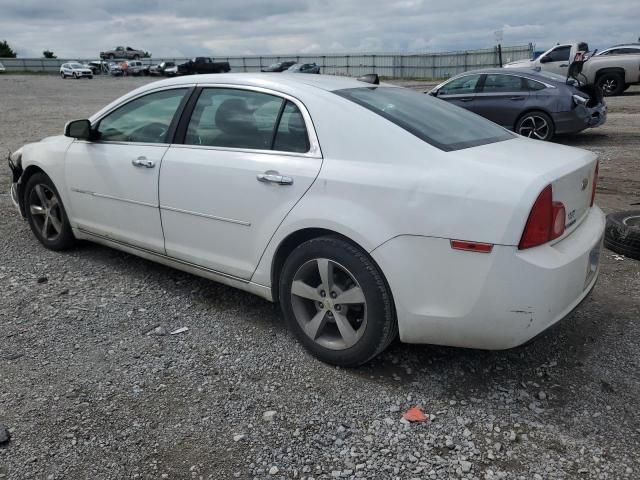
<point>612,73</point>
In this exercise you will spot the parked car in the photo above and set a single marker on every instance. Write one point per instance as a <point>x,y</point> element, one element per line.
<point>622,49</point>
<point>531,103</point>
<point>304,68</point>
<point>366,211</point>
<point>160,68</point>
<point>75,70</point>
<point>114,69</point>
<point>278,67</point>
<point>126,53</point>
<point>612,73</point>
<point>203,65</point>
<point>171,71</point>
<point>136,68</point>
<point>2,68</point>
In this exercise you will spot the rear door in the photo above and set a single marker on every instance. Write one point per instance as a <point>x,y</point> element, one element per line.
<point>502,98</point>
<point>461,91</point>
<point>247,156</point>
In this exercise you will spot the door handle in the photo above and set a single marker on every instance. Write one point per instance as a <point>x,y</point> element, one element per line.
<point>517,98</point>
<point>466,99</point>
<point>274,177</point>
<point>143,162</point>
<point>564,65</point>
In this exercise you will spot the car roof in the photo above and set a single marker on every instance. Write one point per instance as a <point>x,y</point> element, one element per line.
<point>273,81</point>
<point>527,72</point>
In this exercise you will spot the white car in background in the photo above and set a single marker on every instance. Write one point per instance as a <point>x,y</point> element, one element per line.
<point>366,211</point>
<point>2,69</point>
<point>75,70</point>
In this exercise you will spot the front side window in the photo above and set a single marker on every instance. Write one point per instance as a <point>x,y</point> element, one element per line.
<point>498,83</point>
<point>560,54</point>
<point>460,86</point>
<point>245,119</point>
<point>145,119</point>
<point>434,121</point>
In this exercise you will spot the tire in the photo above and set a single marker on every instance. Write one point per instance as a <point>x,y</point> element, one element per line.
<point>63,76</point>
<point>371,324</point>
<point>611,84</point>
<point>136,57</point>
<point>622,233</point>
<point>627,86</point>
<point>90,77</point>
<point>52,228</point>
<point>111,56</point>
<point>537,125</point>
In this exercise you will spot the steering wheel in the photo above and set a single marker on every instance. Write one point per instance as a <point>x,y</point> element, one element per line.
<point>153,132</point>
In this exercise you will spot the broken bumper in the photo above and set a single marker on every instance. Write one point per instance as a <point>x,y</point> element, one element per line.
<point>579,118</point>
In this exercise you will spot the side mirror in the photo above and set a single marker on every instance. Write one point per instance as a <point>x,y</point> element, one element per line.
<point>545,59</point>
<point>79,129</point>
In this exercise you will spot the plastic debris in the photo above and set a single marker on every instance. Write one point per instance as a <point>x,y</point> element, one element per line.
<point>415,414</point>
<point>180,330</point>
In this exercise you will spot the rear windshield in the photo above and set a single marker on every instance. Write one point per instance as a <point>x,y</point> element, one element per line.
<point>434,121</point>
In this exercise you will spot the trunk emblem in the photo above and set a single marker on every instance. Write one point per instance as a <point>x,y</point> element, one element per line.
<point>585,182</point>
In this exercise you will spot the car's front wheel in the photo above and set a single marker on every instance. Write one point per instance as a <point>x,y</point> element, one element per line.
<point>337,302</point>
<point>46,214</point>
<point>537,125</point>
<point>62,75</point>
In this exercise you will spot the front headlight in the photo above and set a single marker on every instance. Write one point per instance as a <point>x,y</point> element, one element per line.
<point>579,100</point>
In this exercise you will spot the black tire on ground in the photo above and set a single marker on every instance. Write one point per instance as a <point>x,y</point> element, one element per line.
<point>63,75</point>
<point>377,314</point>
<point>611,84</point>
<point>37,186</point>
<point>537,125</point>
<point>622,233</point>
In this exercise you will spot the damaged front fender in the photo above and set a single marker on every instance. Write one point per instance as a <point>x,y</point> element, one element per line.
<point>15,165</point>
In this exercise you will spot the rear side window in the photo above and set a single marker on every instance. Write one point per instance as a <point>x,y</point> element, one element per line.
<point>497,83</point>
<point>434,121</point>
<point>246,119</point>
<point>533,85</point>
<point>291,135</point>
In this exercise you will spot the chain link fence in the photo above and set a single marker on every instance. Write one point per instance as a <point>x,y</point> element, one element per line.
<point>407,66</point>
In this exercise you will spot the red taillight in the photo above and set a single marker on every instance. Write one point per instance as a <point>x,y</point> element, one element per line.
<point>471,246</point>
<point>546,221</point>
<point>594,183</point>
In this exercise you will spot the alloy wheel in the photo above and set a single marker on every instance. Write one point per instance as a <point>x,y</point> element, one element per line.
<point>534,126</point>
<point>329,304</point>
<point>609,86</point>
<point>46,211</point>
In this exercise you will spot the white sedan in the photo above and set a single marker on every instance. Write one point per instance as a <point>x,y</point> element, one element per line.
<point>367,211</point>
<point>75,70</point>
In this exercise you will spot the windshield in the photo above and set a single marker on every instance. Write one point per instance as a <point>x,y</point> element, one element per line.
<point>76,65</point>
<point>434,121</point>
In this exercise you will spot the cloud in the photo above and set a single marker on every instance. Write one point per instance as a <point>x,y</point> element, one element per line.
<point>176,28</point>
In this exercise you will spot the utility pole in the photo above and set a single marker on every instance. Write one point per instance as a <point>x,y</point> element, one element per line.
<point>498,35</point>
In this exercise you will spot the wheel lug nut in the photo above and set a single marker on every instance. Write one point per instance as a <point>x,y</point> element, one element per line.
<point>323,293</point>
<point>321,305</point>
<point>334,294</point>
<point>338,308</point>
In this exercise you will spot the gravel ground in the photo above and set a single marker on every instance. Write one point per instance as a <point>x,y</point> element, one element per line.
<point>87,392</point>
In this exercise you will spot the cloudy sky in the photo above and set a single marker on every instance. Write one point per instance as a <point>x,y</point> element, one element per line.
<point>81,28</point>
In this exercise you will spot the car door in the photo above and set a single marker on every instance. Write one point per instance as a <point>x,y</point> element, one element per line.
<point>557,60</point>
<point>502,98</point>
<point>247,157</point>
<point>460,91</point>
<point>113,181</point>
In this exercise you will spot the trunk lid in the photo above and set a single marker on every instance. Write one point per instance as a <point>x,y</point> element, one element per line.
<point>531,165</point>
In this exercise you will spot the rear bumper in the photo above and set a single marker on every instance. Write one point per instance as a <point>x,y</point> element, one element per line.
<point>579,118</point>
<point>490,301</point>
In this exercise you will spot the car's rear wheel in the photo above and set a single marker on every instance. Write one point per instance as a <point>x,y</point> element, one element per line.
<point>537,125</point>
<point>611,84</point>
<point>46,214</point>
<point>337,302</point>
